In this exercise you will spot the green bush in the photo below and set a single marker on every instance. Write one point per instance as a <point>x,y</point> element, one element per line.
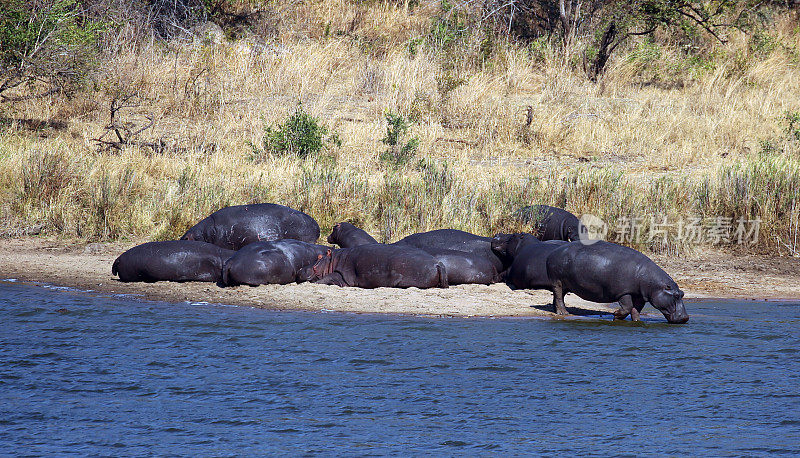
<point>401,150</point>
<point>45,46</point>
<point>301,135</point>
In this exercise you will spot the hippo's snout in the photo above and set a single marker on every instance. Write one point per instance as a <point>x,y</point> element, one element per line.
<point>679,316</point>
<point>678,319</point>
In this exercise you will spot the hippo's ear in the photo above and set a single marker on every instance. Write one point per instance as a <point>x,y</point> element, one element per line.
<point>328,254</point>
<point>319,256</point>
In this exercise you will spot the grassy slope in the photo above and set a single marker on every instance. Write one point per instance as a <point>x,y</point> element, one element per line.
<point>657,136</point>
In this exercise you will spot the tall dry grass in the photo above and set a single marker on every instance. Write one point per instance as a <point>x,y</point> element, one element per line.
<point>661,134</point>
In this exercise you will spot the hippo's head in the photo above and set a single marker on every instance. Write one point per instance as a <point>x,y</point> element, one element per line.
<point>572,232</point>
<point>500,243</point>
<point>334,237</point>
<point>506,246</point>
<point>196,233</point>
<point>317,270</point>
<point>668,299</point>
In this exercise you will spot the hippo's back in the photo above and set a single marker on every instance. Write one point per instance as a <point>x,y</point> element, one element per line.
<point>240,225</point>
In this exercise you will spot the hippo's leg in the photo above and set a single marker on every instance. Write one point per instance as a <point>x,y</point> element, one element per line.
<point>334,278</point>
<point>638,305</point>
<point>558,299</point>
<point>628,306</point>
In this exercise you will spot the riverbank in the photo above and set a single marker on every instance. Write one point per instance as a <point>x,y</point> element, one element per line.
<point>76,264</point>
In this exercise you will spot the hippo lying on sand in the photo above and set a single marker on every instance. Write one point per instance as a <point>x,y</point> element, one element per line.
<point>452,239</point>
<point>462,267</point>
<point>551,223</point>
<point>264,263</point>
<point>607,272</point>
<point>241,225</point>
<point>378,265</point>
<point>174,260</point>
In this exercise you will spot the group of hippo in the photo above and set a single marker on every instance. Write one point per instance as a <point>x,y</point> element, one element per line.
<point>274,244</point>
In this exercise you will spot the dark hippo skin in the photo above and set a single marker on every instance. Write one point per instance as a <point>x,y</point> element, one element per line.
<point>347,236</point>
<point>607,272</point>
<point>378,265</point>
<point>241,225</point>
<point>174,260</point>
<point>452,239</point>
<point>507,246</point>
<point>529,269</point>
<point>462,267</point>
<point>465,268</point>
<point>277,262</point>
<point>551,223</point>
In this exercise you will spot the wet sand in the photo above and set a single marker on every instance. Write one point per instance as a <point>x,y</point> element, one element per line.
<point>707,274</point>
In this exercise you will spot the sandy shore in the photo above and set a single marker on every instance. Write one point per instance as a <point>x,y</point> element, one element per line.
<point>76,264</point>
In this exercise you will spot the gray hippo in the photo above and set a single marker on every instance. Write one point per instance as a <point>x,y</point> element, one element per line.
<point>462,267</point>
<point>277,262</point>
<point>240,225</point>
<point>378,265</point>
<point>529,269</point>
<point>507,246</point>
<point>551,223</point>
<point>465,268</point>
<point>347,235</point>
<point>453,239</point>
<point>607,272</point>
<point>174,260</point>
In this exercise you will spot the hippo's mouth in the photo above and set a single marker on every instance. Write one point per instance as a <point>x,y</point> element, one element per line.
<point>679,319</point>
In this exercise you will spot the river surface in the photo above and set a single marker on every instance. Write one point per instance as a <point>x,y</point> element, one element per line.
<point>83,375</point>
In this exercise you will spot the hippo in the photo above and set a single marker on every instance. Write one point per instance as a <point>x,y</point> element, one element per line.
<point>240,225</point>
<point>346,236</point>
<point>507,246</point>
<point>465,268</point>
<point>462,267</point>
<point>452,239</point>
<point>606,272</point>
<point>529,269</point>
<point>276,262</point>
<point>551,223</point>
<point>378,265</point>
<point>174,260</point>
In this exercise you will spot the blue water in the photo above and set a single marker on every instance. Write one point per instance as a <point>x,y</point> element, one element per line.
<point>87,375</point>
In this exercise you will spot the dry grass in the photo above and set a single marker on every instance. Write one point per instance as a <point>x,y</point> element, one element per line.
<point>658,135</point>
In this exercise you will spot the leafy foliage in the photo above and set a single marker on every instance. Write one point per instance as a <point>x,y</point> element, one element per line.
<point>401,150</point>
<point>45,47</point>
<point>301,135</point>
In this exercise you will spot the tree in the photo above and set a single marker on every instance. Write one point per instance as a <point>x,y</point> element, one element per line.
<point>46,46</point>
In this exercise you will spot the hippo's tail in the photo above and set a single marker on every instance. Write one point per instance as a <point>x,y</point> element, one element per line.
<point>115,267</point>
<point>442,271</point>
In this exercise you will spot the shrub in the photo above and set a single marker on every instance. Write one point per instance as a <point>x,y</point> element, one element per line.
<point>301,135</point>
<point>45,47</point>
<point>400,151</point>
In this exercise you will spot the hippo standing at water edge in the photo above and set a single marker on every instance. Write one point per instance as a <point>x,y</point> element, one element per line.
<point>174,260</point>
<point>346,235</point>
<point>607,272</point>
<point>462,267</point>
<point>378,265</point>
<point>551,223</point>
<point>452,239</point>
<point>240,225</point>
<point>264,263</point>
